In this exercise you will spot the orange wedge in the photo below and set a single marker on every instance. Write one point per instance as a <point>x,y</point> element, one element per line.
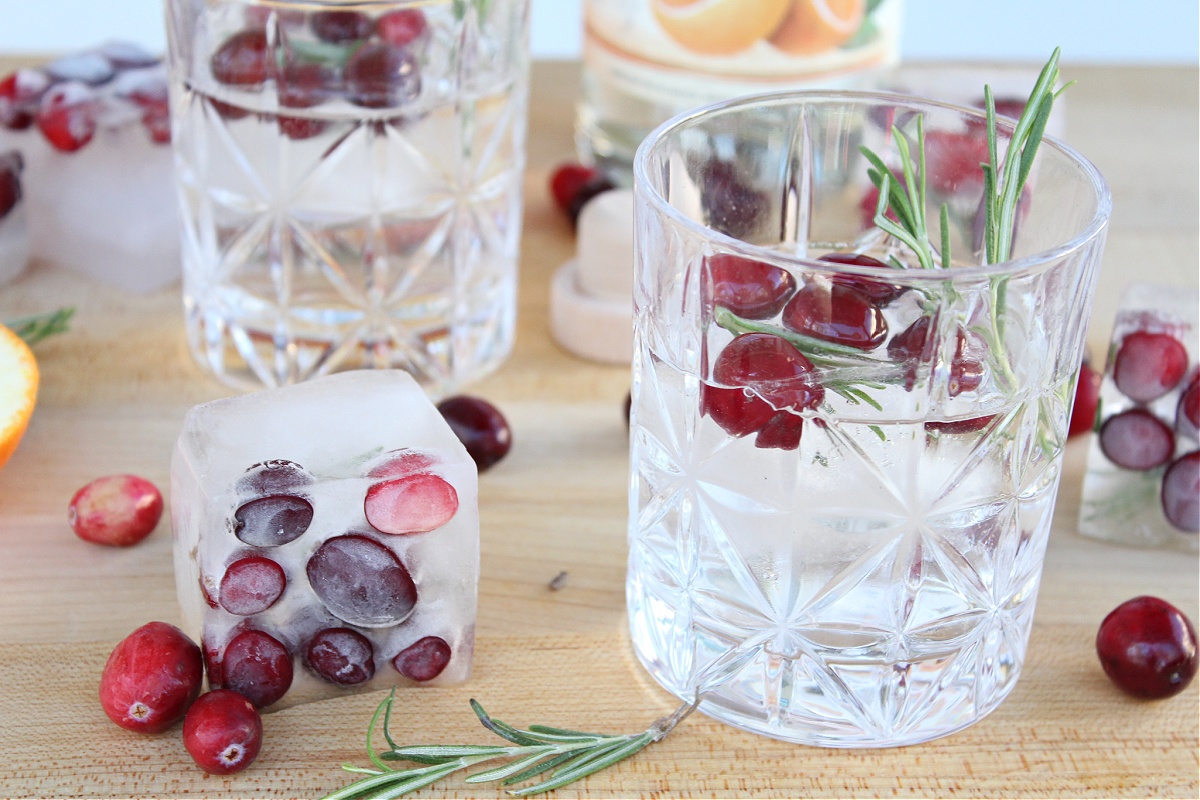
<point>718,27</point>
<point>817,26</point>
<point>18,390</point>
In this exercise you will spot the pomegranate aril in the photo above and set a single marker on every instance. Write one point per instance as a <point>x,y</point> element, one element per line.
<point>20,94</point>
<point>1147,647</point>
<point>1180,493</point>
<point>272,520</point>
<point>223,732</point>
<point>1087,399</point>
<point>116,510</point>
<point>92,69</point>
<point>11,166</point>
<point>341,656</point>
<point>257,666</point>
<point>241,60</point>
<point>423,660</point>
<point>1187,413</point>
<point>879,292</point>
<point>1148,365</point>
<point>341,27</point>
<point>67,115</point>
<point>480,426</point>
<point>1136,439</point>
<point>751,289</point>
<point>150,678</point>
<point>382,75</point>
<point>361,582</point>
<point>251,585</point>
<point>413,504</point>
<point>402,27</point>
<point>836,313</point>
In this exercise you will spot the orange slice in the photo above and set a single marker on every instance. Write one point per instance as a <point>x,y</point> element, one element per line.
<point>719,27</point>
<point>817,26</point>
<point>18,390</point>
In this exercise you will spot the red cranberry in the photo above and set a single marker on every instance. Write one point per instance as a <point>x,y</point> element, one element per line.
<point>732,205</point>
<point>274,477</point>
<point>836,313</point>
<point>399,463</point>
<point>763,374</point>
<point>751,289</point>
<point>66,116</point>
<point>272,520</point>
<point>361,581</point>
<point>92,69</point>
<point>157,123</point>
<point>116,510</point>
<point>304,84</point>
<point>341,656</point>
<point>20,94</point>
<point>11,166</point>
<point>878,292</point>
<point>341,27</point>
<point>782,432</point>
<point>251,585</point>
<point>424,660</point>
<point>573,185</point>
<point>1180,494</point>
<point>1148,648</point>
<point>1087,399</point>
<point>242,59</point>
<point>382,76</point>
<point>1187,413</point>
<point>914,345</point>
<point>413,504</point>
<point>151,678</point>
<point>480,426</point>
<point>223,732</point>
<point>1136,439</point>
<point>257,666</point>
<point>402,27</point>
<point>1148,365</point>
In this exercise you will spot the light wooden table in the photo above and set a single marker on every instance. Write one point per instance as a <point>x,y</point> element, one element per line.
<point>116,387</point>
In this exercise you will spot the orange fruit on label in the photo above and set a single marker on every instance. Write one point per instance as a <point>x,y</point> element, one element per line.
<point>719,27</point>
<point>817,26</point>
<point>18,390</point>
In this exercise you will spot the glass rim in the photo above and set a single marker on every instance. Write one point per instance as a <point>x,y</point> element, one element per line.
<point>341,5</point>
<point>643,188</point>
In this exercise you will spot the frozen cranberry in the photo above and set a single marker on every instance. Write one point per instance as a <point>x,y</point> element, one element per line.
<point>361,582</point>
<point>1136,439</point>
<point>340,27</point>
<point>251,585</point>
<point>11,166</point>
<point>413,504</point>
<point>116,510</point>
<point>213,666</point>
<point>274,477</point>
<point>1180,494</point>
<point>399,463</point>
<point>480,426</point>
<point>1187,413</point>
<point>151,678</point>
<point>836,313</point>
<point>272,520</point>
<point>20,94</point>
<point>257,666</point>
<point>341,656</point>
<point>127,55</point>
<point>402,27</point>
<point>731,204</point>
<point>1148,648</point>
<point>382,75</point>
<point>1087,398</point>
<point>914,345</point>
<point>92,69</point>
<point>223,732</point>
<point>1148,365</point>
<point>954,159</point>
<point>879,292</point>
<point>304,84</point>
<point>241,60</point>
<point>423,660</point>
<point>66,116</point>
<point>762,374</point>
<point>751,289</point>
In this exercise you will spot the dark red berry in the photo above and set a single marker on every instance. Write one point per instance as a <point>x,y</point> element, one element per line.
<point>242,59</point>
<point>20,94</point>
<point>92,69</point>
<point>402,27</point>
<point>341,656</point>
<point>480,426</point>
<point>836,313</point>
<point>157,123</point>
<point>751,289</point>
<point>223,732</point>
<point>272,520</point>
<point>67,115</point>
<point>879,292</point>
<point>914,345</point>
<point>567,180</point>
<point>274,477</point>
<point>361,582</point>
<point>257,666</point>
<point>399,463</point>
<point>594,187</point>
<point>761,374</point>
<point>1180,494</point>
<point>416,503</point>
<point>731,204</point>
<point>1136,439</point>
<point>382,75</point>
<point>151,678</point>
<point>11,166</point>
<point>340,27</point>
<point>1087,398</point>
<point>1148,365</point>
<point>251,585</point>
<point>782,432</point>
<point>304,84</point>
<point>424,660</point>
<point>1148,648</point>
<point>1187,413</point>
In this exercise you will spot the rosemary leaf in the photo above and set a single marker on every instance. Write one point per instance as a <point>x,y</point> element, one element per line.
<point>538,769</point>
<point>583,770</point>
<point>37,327</point>
<point>944,221</point>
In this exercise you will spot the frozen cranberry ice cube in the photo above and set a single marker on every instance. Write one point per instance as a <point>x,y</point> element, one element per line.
<point>326,539</point>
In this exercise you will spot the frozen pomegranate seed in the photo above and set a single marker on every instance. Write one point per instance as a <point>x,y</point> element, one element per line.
<point>340,27</point>
<point>151,678</point>
<point>879,292</point>
<point>11,166</point>
<point>67,115</point>
<point>1148,648</point>
<point>423,660</point>
<point>732,205</point>
<point>251,585</point>
<point>567,180</point>
<point>1148,365</point>
<point>223,732</point>
<point>1087,399</point>
<point>751,289</point>
<point>92,69</point>
<point>1136,439</point>
<point>257,666</point>
<point>400,463</point>
<point>303,85</point>
<point>914,345</point>
<point>361,582</point>
<point>402,27</point>
<point>341,656</point>
<point>762,374</point>
<point>412,504</point>
<point>272,520</point>
<point>836,313</point>
<point>116,510</point>
<point>1180,494</point>
<point>241,60</point>
<point>20,94</point>
<point>480,426</point>
<point>382,76</point>
<point>1187,413</point>
<point>274,477</point>
<point>127,55</point>
<point>953,159</point>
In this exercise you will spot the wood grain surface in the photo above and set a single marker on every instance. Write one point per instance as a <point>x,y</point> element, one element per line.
<point>116,387</point>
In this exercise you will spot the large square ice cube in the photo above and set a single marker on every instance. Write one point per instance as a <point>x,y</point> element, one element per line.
<point>326,538</point>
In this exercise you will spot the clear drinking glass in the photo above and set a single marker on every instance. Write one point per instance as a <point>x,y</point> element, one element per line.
<point>350,180</point>
<point>843,476</point>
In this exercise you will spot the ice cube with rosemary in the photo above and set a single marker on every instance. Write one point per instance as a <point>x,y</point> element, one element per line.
<point>326,539</point>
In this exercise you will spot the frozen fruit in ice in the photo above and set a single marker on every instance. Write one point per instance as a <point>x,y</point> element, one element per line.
<point>127,55</point>
<point>1180,492</point>
<point>749,288</point>
<point>222,732</point>
<point>480,426</point>
<point>914,345</point>
<point>760,374</point>
<point>1148,648</point>
<point>257,666</point>
<point>1148,365</point>
<point>381,75</point>
<point>732,205</point>
<point>1136,439</point>
<point>241,60</point>
<point>272,520</point>
<point>20,94</point>
<point>402,27</point>
<point>341,655</point>
<point>399,463</point>
<point>116,510</point>
<point>92,69</point>
<point>304,84</point>
<point>67,116</point>
<point>278,476</point>
<point>150,678</point>
<point>361,582</point>
<point>413,504</point>
<point>423,660</point>
<point>1087,399</point>
<point>835,312</point>
<point>1187,413</point>
<point>341,27</point>
<point>251,585</point>
<point>878,292</point>
<point>11,165</point>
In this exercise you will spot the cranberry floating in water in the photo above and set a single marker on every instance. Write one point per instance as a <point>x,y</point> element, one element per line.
<point>382,76</point>
<point>1148,365</point>
<point>1180,493</point>
<point>272,520</point>
<point>342,656</point>
<point>914,345</point>
<point>878,292</point>
<point>1087,399</point>
<point>836,313</point>
<point>774,374</point>
<point>252,585</point>
<point>413,504</point>
<point>222,732</point>
<point>20,94</point>
<point>257,666</point>
<point>402,27</point>
<point>1148,648</point>
<point>480,426</point>
<point>782,432</point>
<point>751,289</point>
<point>340,27</point>
<point>361,582</point>
<point>1136,439</point>
<point>241,60</point>
<point>304,84</point>
<point>67,115</point>
<point>424,660</point>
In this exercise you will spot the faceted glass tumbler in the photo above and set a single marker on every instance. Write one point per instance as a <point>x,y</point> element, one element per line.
<point>350,179</point>
<point>843,475</point>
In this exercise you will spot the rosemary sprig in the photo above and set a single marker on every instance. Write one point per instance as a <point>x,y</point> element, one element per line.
<point>37,327</point>
<point>566,755</point>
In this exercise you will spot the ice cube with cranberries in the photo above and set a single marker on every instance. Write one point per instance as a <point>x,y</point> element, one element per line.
<point>326,539</point>
<point>1142,484</point>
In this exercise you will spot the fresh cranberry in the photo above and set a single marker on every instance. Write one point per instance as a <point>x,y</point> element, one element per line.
<point>251,585</point>
<point>127,55</point>
<point>20,95</point>
<point>278,476</point>
<point>413,504</point>
<point>751,289</point>
<point>361,582</point>
<point>116,510</point>
<point>242,59</point>
<point>402,27</point>
<point>1087,398</point>
<point>953,160</point>
<point>382,75</point>
<point>151,678</point>
<point>1148,365</point>
<point>423,660</point>
<point>732,205</point>
<point>341,27</point>
<point>480,426</point>
<point>341,656</point>
<point>272,520</point>
<point>1136,439</point>
<point>257,666</point>
<point>304,84</point>
<point>11,166</point>
<point>1180,494</point>
<point>914,345</point>
<point>92,69</point>
<point>66,116</point>
<point>763,374</point>
<point>879,292</point>
<point>782,432</point>
<point>1148,648</point>
<point>149,93</point>
<point>836,313</point>
<point>1187,413</point>
<point>223,732</point>
<point>573,185</point>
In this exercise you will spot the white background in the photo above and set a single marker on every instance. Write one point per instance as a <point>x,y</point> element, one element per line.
<point>1089,31</point>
